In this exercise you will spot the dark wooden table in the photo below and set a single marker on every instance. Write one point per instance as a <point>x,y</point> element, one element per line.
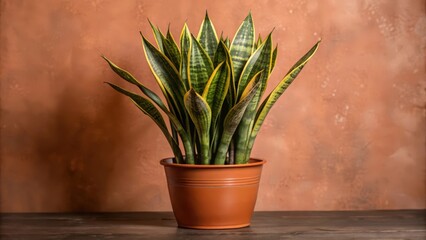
<point>405,224</point>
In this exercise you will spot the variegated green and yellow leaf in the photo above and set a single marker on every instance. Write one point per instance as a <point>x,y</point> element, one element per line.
<point>242,45</point>
<point>258,43</point>
<point>222,54</point>
<point>207,36</point>
<point>158,36</point>
<point>200,66</point>
<point>227,42</point>
<point>233,118</point>
<point>274,58</point>
<point>260,60</point>
<point>216,89</point>
<point>201,116</point>
<point>171,50</point>
<point>129,78</point>
<point>166,75</point>
<point>243,131</point>
<point>185,44</point>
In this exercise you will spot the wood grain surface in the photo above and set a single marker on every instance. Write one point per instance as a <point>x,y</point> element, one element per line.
<point>402,224</point>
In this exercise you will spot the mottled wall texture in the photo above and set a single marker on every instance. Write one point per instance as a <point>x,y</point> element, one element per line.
<point>348,134</point>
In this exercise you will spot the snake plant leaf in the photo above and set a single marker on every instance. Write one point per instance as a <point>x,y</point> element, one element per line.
<point>129,78</point>
<point>242,134</point>
<point>171,50</point>
<point>227,42</point>
<point>185,43</point>
<point>222,54</point>
<point>274,57</point>
<point>200,66</point>
<point>216,89</point>
<point>234,116</point>
<point>156,99</point>
<point>158,36</point>
<point>207,36</point>
<point>149,109</point>
<point>260,60</point>
<point>259,42</point>
<point>201,116</point>
<point>166,75</point>
<point>278,91</point>
<point>242,45</point>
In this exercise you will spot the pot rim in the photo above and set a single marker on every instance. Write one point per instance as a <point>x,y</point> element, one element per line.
<point>167,162</point>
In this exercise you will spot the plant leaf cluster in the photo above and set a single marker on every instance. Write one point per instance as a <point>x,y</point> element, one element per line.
<point>213,90</point>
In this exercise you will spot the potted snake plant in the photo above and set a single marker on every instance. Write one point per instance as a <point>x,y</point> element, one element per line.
<point>215,102</point>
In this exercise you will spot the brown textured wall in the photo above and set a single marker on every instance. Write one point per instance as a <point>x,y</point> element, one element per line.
<point>349,134</point>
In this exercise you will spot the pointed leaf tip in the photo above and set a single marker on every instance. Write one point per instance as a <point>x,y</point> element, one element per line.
<point>249,16</point>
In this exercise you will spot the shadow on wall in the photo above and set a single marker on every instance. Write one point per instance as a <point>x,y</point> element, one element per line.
<point>68,154</point>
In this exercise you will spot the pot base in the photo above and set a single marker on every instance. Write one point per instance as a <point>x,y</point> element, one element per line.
<point>216,227</point>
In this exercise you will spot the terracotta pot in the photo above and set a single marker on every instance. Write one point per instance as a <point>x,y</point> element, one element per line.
<point>213,196</point>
